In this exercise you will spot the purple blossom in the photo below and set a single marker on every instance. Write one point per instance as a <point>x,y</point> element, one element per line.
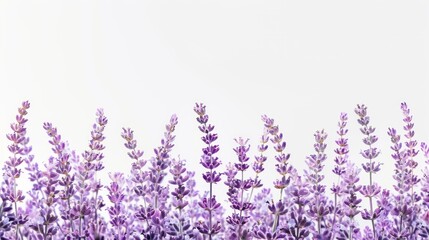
<point>210,162</point>
<point>282,166</point>
<point>179,227</point>
<point>20,153</point>
<point>116,211</point>
<point>89,223</point>
<point>351,202</point>
<point>370,167</point>
<point>340,160</point>
<point>237,188</point>
<point>299,224</point>
<point>319,206</point>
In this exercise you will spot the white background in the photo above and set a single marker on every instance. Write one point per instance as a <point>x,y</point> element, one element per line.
<point>300,62</point>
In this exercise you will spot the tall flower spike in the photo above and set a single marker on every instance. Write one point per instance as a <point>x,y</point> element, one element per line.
<point>138,177</point>
<point>411,144</point>
<point>350,179</point>
<point>424,229</point>
<point>371,167</point>
<point>156,174</point>
<point>240,185</point>
<point>340,160</point>
<point>20,150</point>
<point>210,162</point>
<point>282,167</point>
<point>319,207</point>
<point>116,212</point>
<point>63,167</point>
<point>160,162</point>
<point>298,225</point>
<point>87,180</point>
<point>180,227</point>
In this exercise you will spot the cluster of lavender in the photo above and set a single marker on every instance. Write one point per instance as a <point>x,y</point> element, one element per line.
<point>158,199</point>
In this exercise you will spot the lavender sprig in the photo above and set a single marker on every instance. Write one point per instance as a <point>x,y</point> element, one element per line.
<point>403,178</point>
<point>258,164</point>
<point>319,207</point>
<point>161,162</point>
<point>350,178</point>
<point>240,185</point>
<point>282,167</point>
<point>424,229</point>
<point>87,180</point>
<point>12,172</point>
<point>46,228</point>
<point>299,224</point>
<point>340,160</point>
<point>182,227</point>
<point>372,190</point>
<point>63,167</point>
<point>138,175</point>
<point>210,162</point>
<point>116,212</point>
<point>411,144</point>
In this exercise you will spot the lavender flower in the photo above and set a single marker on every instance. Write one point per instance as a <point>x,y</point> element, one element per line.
<point>160,162</point>
<point>319,207</point>
<point>63,167</point>
<point>116,212</point>
<point>12,172</point>
<point>210,162</point>
<point>282,167</point>
<point>298,225</point>
<point>89,222</point>
<point>179,227</point>
<point>45,228</point>
<point>237,187</point>
<point>340,160</point>
<point>155,212</point>
<point>410,144</point>
<point>370,191</point>
<point>403,177</point>
<point>138,177</point>
<point>258,165</point>
<point>350,178</point>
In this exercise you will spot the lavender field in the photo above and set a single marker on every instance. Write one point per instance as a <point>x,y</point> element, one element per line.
<point>158,198</point>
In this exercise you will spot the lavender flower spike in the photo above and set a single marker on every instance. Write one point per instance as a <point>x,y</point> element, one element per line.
<point>340,160</point>
<point>238,187</point>
<point>20,151</point>
<point>319,207</point>
<point>372,190</point>
<point>64,168</point>
<point>116,212</point>
<point>210,162</point>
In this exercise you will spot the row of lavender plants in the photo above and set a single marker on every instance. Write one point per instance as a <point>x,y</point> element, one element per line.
<point>158,198</point>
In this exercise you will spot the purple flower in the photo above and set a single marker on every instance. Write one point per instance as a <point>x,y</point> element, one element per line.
<point>89,222</point>
<point>319,207</point>
<point>298,225</point>
<point>210,162</point>
<point>237,188</point>
<point>262,232</point>
<point>340,160</point>
<point>282,167</point>
<point>116,212</point>
<point>370,167</point>
<point>20,152</point>
<point>64,168</point>
<point>179,227</point>
<point>351,202</point>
